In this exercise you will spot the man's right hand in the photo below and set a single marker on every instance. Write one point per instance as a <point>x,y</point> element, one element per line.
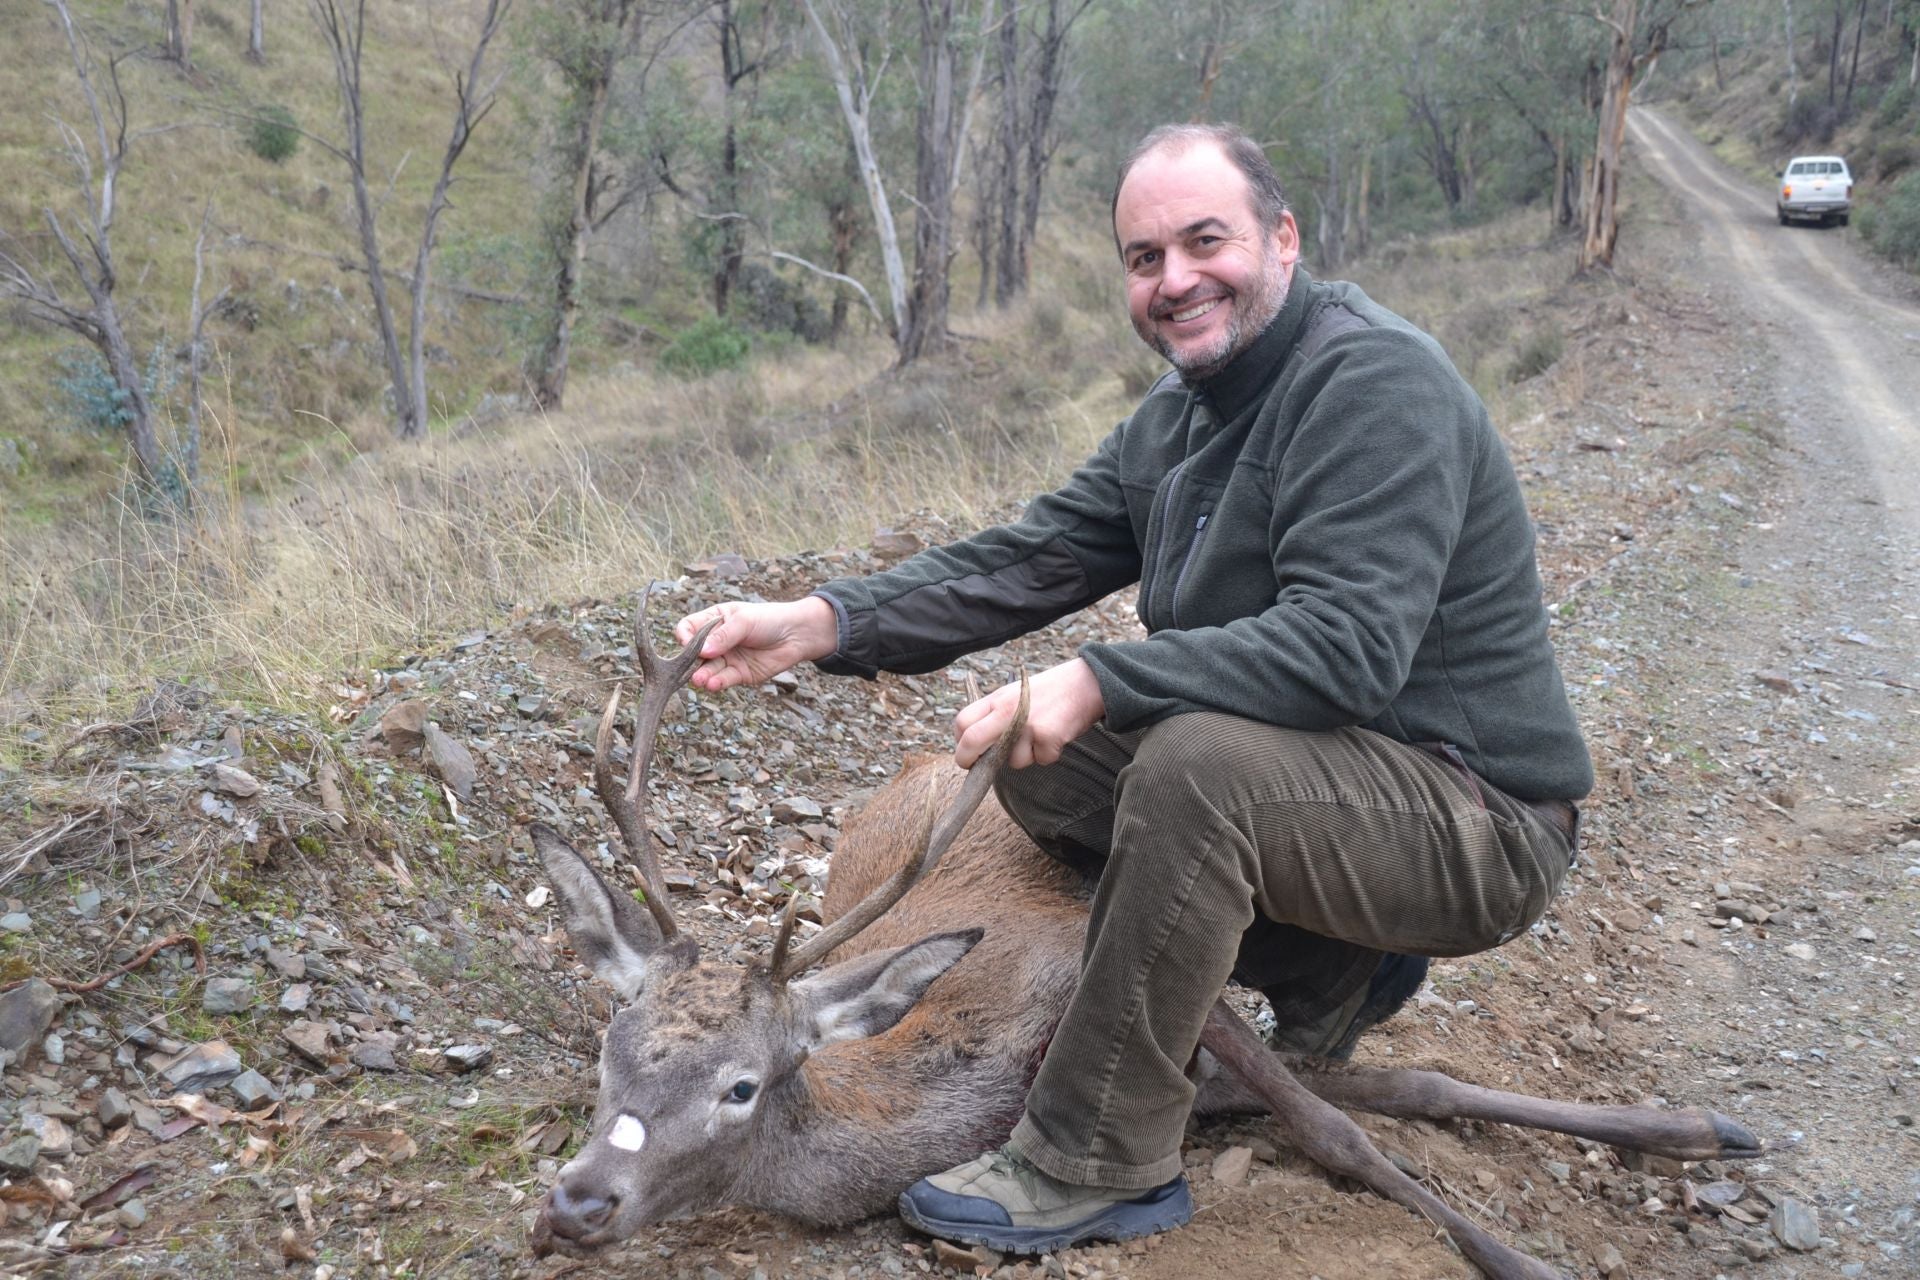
<point>756,642</point>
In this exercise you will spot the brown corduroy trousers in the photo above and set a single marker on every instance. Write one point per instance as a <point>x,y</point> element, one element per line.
<point>1220,848</point>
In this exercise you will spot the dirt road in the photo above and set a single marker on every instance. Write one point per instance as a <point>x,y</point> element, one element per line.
<point>1833,317</point>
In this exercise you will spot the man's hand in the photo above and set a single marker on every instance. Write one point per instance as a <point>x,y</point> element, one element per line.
<point>756,642</point>
<point>1064,702</point>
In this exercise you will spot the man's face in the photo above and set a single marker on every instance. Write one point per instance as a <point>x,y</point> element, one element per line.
<point>1203,279</point>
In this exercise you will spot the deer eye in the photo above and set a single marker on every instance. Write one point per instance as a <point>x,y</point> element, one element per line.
<point>743,1091</point>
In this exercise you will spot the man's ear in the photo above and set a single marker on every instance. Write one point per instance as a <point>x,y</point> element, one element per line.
<point>616,938</point>
<point>866,995</point>
<point>1286,238</point>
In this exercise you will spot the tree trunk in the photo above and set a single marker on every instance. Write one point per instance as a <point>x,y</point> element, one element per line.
<point>935,140</point>
<point>1363,223</point>
<point>180,31</point>
<point>840,220</point>
<point>1833,52</point>
<point>343,37</point>
<point>1008,277</point>
<point>856,108</point>
<point>472,106</point>
<point>732,233</point>
<point>1557,207</point>
<point>1049,68</point>
<point>570,245</point>
<point>1853,68</point>
<point>1603,180</point>
<point>1793,72</point>
<point>257,33</point>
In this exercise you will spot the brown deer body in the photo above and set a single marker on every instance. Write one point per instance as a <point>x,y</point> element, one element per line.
<point>956,948</point>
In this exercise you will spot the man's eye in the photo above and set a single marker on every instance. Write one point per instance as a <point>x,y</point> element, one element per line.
<point>743,1091</point>
<point>1145,260</point>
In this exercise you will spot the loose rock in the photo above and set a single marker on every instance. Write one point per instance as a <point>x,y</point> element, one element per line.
<point>1795,1225</point>
<point>25,1014</point>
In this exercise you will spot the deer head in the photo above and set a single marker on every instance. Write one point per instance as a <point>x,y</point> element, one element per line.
<point>703,1060</point>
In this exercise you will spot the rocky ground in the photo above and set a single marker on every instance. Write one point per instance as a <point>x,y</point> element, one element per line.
<point>350,1040</point>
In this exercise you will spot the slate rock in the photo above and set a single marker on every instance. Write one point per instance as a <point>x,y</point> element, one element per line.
<point>468,1057</point>
<point>25,1014</point>
<point>452,761</point>
<point>52,1133</point>
<point>796,809</point>
<point>1610,1263</point>
<point>201,1067</point>
<point>1795,1225</point>
<point>234,781</point>
<point>376,1052</point>
<point>16,922</point>
<point>1230,1166</point>
<point>404,724</point>
<point>296,998</point>
<point>114,1110</point>
<point>227,995</point>
<point>1721,1194</point>
<point>252,1088</point>
<point>17,1157</point>
<point>310,1040</point>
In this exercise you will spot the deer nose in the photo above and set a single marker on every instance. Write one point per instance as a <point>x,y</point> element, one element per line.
<point>575,1213</point>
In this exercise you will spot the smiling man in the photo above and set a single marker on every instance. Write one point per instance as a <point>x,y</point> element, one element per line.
<point>1342,746</point>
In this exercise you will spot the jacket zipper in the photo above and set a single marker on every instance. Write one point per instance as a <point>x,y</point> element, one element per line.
<point>1164,499</point>
<point>1193,549</point>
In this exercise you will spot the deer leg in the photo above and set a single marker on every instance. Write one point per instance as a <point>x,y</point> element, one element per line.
<point>1689,1133</point>
<point>1331,1139</point>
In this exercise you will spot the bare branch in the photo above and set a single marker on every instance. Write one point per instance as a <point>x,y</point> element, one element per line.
<point>857,287</point>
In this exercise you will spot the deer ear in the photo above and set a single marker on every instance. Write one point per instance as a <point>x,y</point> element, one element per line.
<point>868,994</point>
<point>618,940</point>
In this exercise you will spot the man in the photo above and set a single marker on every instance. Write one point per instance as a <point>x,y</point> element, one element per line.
<point>1344,745</point>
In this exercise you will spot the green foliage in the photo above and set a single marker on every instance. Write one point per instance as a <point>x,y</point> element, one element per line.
<point>1891,223</point>
<point>1894,105</point>
<point>89,398</point>
<point>273,134</point>
<point>710,345</point>
<point>1810,119</point>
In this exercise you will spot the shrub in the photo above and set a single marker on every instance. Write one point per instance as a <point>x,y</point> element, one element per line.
<point>273,133</point>
<point>1810,119</point>
<point>712,344</point>
<point>89,396</point>
<point>1891,224</point>
<point>1894,104</point>
<point>1539,353</point>
<point>772,304</point>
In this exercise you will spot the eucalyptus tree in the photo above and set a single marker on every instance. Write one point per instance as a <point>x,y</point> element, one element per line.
<point>589,46</point>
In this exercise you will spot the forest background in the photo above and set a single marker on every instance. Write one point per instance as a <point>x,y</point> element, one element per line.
<point>333,327</point>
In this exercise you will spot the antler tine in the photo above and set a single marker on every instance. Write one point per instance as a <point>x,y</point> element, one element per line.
<point>627,804</point>
<point>941,831</point>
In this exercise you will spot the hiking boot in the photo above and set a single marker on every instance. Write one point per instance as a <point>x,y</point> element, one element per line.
<point>1393,983</point>
<point>1001,1200</point>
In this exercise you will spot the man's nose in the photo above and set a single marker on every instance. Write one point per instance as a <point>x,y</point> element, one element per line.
<point>1178,275</point>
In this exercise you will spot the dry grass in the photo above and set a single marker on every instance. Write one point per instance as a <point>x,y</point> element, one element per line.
<point>355,561</point>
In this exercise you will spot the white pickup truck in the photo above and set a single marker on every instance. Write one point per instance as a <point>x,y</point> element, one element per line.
<point>1817,188</point>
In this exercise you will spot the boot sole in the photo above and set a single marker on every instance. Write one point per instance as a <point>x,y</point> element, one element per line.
<point>1127,1220</point>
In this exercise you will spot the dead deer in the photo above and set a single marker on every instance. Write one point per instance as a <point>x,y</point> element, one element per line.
<point>955,947</point>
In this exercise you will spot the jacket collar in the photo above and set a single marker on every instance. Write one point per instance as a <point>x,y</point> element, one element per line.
<point>1249,374</point>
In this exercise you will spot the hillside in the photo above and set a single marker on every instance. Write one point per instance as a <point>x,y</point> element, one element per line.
<point>293,362</point>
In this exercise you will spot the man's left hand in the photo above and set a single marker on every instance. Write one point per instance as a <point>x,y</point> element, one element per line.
<point>1064,702</point>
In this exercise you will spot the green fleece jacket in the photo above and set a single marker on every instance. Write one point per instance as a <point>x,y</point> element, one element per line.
<point>1327,533</point>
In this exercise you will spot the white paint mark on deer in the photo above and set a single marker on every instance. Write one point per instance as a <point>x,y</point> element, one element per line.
<point>628,1134</point>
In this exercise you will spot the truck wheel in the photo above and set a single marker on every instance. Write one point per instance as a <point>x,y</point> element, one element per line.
<point>1843,219</point>
<point>1782,215</point>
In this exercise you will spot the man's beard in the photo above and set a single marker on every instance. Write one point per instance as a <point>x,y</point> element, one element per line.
<point>1248,319</point>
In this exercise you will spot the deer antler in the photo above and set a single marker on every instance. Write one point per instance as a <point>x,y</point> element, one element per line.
<point>660,680</point>
<point>940,832</point>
